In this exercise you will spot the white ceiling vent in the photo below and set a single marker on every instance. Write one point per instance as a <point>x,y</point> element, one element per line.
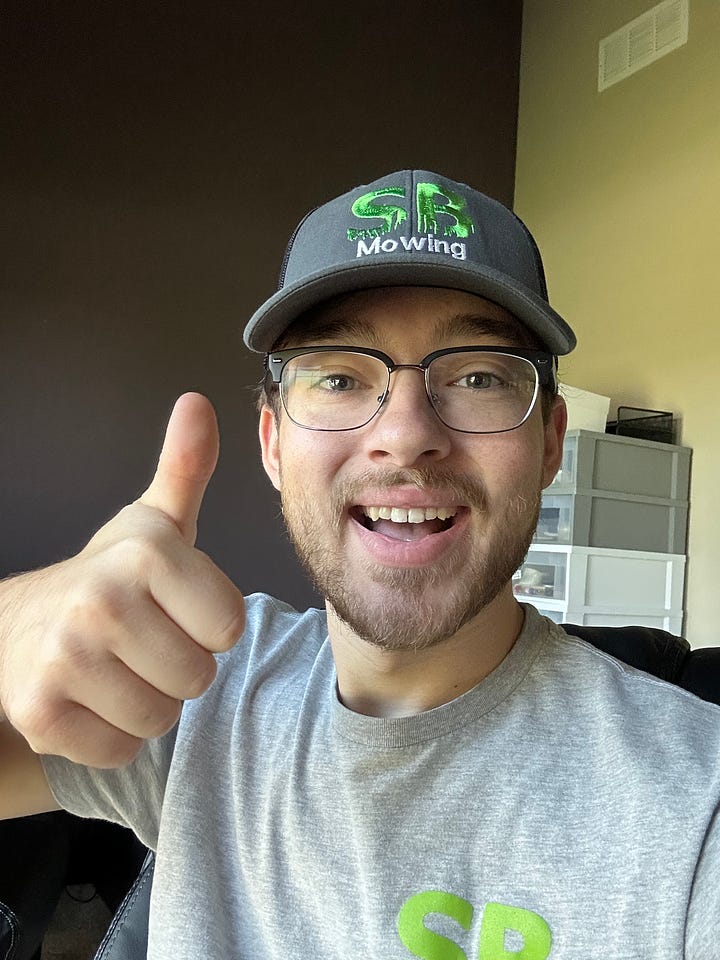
<point>643,40</point>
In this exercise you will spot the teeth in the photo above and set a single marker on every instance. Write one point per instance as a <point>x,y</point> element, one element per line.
<point>409,515</point>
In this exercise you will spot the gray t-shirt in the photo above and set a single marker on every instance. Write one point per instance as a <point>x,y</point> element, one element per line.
<point>565,808</point>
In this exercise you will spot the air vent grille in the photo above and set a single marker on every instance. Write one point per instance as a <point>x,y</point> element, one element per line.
<point>643,40</point>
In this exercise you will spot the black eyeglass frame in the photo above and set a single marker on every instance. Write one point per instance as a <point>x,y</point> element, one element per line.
<point>544,363</point>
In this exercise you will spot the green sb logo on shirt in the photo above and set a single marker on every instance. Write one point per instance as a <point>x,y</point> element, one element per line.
<point>499,921</point>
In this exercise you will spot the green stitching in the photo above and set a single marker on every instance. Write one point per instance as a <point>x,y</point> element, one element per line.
<point>427,210</point>
<point>391,214</point>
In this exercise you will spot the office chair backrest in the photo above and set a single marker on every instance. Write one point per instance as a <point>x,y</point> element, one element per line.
<point>127,935</point>
<point>9,932</point>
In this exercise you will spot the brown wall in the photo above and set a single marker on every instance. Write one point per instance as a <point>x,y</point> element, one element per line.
<point>155,161</point>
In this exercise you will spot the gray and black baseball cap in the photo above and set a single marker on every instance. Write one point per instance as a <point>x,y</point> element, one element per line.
<point>412,228</point>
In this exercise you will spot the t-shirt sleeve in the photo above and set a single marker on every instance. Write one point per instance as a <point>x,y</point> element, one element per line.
<point>702,941</point>
<point>131,796</point>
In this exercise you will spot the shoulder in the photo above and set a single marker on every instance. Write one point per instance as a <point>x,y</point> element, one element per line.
<point>277,639</point>
<point>258,685</point>
<point>264,612</point>
<point>635,706</point>
<point>270,623</point>
<point>623,669</point>
<point>640,745</point>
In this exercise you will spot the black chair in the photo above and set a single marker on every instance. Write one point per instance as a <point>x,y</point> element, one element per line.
<point>44,854</point>
<point>662,654</point>
<point>9,926</point>
<point>128,933</point>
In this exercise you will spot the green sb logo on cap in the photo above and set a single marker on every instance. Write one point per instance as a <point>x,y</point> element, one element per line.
<point>429,204</point>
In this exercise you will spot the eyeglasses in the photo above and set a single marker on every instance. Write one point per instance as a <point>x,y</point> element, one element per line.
<point>471,389</point>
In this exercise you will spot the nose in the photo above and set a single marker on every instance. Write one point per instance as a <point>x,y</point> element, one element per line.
<point>406,430</point>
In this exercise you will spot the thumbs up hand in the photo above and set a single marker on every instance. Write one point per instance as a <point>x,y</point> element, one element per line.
<point>97,653</point>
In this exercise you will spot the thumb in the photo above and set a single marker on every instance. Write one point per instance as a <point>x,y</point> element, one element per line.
<point>187,461</point>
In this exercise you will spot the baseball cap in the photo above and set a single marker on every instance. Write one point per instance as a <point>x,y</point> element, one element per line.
<point>412,228</point>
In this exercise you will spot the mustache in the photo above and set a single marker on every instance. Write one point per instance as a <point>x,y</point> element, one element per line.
<point>459,488</point>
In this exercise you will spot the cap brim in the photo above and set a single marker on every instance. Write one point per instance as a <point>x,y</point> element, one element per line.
<point>277,313</point>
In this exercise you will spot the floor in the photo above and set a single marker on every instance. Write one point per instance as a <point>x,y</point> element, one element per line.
<point>78,925</point>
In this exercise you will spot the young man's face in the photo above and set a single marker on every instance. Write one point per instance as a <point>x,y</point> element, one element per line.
<point>397,584</point>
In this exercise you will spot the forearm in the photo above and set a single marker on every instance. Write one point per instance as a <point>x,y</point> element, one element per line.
<point>23,788</point>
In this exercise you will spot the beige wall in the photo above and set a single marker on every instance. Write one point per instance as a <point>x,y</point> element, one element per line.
<point>622,190</point>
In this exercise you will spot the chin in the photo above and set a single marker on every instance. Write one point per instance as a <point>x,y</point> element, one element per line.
<point>411,609</point>
<point>396,607</point>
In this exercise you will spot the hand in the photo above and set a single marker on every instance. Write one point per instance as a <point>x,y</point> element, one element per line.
<point>97,653</point>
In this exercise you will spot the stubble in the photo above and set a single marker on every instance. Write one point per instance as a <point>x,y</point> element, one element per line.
<point>412,608</point>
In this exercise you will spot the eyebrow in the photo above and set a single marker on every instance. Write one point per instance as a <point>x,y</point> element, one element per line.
<point>479,325</point>
<point>347,328</point>
<point>356,330</point>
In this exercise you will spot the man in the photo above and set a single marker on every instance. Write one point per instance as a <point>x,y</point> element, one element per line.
<point>426,768</point>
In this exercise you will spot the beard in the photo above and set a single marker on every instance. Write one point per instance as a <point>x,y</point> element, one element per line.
<point>412,608</point>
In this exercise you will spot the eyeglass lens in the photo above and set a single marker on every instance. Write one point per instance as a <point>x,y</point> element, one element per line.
<point>475,391</point>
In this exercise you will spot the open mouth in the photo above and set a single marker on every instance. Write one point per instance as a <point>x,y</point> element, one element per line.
<point>405,523</point>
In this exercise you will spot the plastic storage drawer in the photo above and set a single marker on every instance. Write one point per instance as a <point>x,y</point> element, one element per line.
<point>612,520</point>
<point>613,581</point>
<point>603,462</point>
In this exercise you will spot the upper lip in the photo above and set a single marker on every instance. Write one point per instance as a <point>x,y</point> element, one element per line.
<point>406,497</point>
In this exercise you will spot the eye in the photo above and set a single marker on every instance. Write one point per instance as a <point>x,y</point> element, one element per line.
<point>342,379</point>
<point>331,376</point>
<point>337,382</point>
<point>481,380</point>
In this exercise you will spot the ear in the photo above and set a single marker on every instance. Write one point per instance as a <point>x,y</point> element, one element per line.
<point>270,445</point>
<point>554,436</point>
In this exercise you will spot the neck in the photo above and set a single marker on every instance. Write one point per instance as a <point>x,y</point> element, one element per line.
<point>392,683</point>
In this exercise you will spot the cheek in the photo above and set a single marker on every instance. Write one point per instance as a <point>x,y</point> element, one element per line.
<point>510,463</point>
<point>308,459</point>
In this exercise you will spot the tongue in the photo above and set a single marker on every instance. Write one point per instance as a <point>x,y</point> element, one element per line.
<point>408,531</point>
